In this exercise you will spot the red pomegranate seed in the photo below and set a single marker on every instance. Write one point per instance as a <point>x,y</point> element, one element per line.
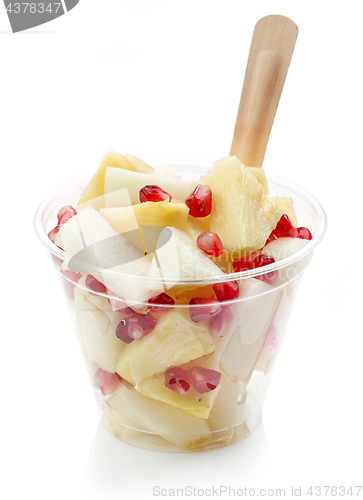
<point>118,304</point>
<point>140,325</point>
<point>70,279</point>
<point>107,382</point>
<point>283,229</point>
<point>178,380</point>
<point>210,243</point>
<point>204,379</point>
<point>163,300</point>
<point>226,291</point>
<point>94,285</point>
<point>65,214</point>
<point>304,233</point>
<point>53,233</point>
<point>122,331</point>
<point>262,260</point>
<point>245,263</point>
<point>153,193</point>
<point>265,260</point>
<point>135,327</point>
<point>203,309</point>
<point>200,201</point>
<point>219,324</point>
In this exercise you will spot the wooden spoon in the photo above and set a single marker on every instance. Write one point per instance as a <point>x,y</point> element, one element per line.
<point>271,50</point>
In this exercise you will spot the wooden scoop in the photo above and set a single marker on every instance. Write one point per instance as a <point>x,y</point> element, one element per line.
<point>271,50</point>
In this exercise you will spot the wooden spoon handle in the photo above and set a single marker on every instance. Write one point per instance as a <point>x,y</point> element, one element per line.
<point>271,50</point>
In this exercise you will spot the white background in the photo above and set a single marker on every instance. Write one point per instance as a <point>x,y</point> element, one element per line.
<point>162,80</point>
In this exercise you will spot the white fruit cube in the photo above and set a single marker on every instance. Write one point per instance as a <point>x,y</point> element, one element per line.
<point>177,258</point>
<point>99,339</point>
<point>252,317</point>
<point>117,178</point>
<point>172,424</point>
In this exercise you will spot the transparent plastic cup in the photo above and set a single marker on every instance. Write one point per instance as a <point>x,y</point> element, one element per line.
<point>240,344</point>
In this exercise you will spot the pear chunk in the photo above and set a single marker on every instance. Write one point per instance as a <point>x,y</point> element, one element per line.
<point>172,424</point>
<point>178,258</point>
<point>88,238</point>
<point>117,179</point>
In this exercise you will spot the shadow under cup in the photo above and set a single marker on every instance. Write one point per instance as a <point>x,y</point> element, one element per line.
<point>241,343</point>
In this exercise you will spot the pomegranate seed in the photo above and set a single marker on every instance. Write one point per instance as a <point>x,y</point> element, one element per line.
<point>210,243</point>
<point>226,291</point>
<point>153,193</point>
<point>122,331</point>
<point>95,285</point>
<point>265,260</point>
<point>245,263</point>
<point>135,327</point>
<point>65,214</point>
<point>219,324</point>
<point>304,233</point>
<point>69,281</point>
<point>200,201</point>
<point>283,229</point>
<point>178,380</point>
<point>107,382</point>
<point>204,379</point>
<point>203,309</point>
<point>53,233</point>
<point>140,325</point>
<point>118,304</point>
<point>164,300</point>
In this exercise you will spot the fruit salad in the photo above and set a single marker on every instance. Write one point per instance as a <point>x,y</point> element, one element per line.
<point>179,296</point>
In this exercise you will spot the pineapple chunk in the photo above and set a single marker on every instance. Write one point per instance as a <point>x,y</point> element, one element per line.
<point>260,175</point>
<point>95,187</point>
<point>286,205</point>
<point>165,171</point>
<point>174,341</point>
<point>193,403</point>
<point>196,226</point>
<point>241,216</point>
<point>161,213</point>
<point>138,165</point>
<point>183,295</point>
<point>143,223</point>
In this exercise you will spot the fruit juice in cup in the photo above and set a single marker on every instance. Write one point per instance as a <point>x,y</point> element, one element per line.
<point>179,336</point>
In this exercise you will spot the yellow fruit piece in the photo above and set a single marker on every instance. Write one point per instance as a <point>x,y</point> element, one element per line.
<point>286,205</point>
<point>194,404</point>
<point>174,341</point>
<point>161,213</point>
<point>260,175</point>
<point>195,226</point>
<point>96,186</point>
<point>184,294</point>
<point>241,216</point>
